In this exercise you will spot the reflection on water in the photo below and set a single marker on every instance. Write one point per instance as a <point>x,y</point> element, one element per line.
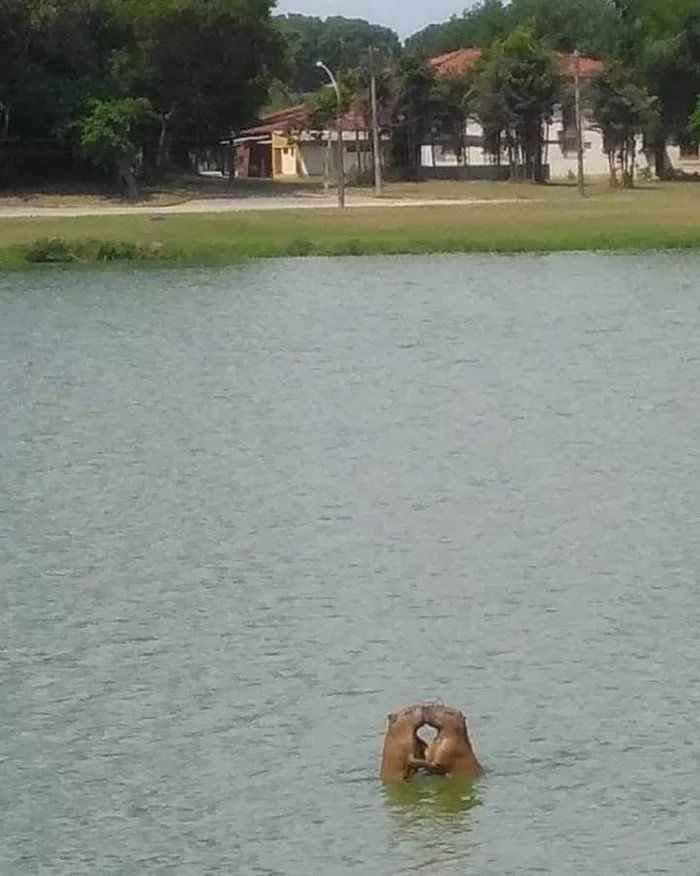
<point>434,815</point>
<point>432,796</point>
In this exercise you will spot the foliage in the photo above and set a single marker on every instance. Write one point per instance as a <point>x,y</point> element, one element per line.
<point>454,97</point>
<point>204,65</point>
<point>341,43</point>
<point>694,122</point>
<point>279,97</point>
<point>478,26</point>
<point>623,109</point>
<point>50,250</point>
<point>207,67</point>
<point>670,67</point>
<point>112,135</point>
<point>517,85</point>
<point>323,104</point>
<point>590,25</point>
<point>415,107</point>
<point>117,251</point>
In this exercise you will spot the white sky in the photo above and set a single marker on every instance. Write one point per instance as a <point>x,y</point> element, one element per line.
<point>403,16</point>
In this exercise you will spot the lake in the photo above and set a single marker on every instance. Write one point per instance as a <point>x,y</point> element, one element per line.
<point>248,511</point>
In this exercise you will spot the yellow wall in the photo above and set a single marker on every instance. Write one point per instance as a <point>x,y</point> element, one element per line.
<point>284,165</point>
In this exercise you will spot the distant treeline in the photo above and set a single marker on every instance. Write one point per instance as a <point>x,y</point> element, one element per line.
<point>134,86</point>
<point>657,42</point>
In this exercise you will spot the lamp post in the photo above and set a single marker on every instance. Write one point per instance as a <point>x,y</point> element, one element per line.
<point>339,125</point>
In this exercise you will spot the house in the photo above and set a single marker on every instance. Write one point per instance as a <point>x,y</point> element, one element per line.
<point>438,157</point>
<point>282,145</point>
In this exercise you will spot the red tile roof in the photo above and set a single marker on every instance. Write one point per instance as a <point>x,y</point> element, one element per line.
<point>284,120</point>
<point>452,63</point>
<point>461,60</point>
<point>587,67</point>
<point>295,117</point>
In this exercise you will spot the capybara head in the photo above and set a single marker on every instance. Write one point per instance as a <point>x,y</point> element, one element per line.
<point>444,718</point>
<point>410,716</point>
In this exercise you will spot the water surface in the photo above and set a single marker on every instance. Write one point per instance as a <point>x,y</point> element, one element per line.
<point>247,511</point>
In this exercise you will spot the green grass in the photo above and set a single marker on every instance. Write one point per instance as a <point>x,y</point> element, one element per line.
<point>545,219</point>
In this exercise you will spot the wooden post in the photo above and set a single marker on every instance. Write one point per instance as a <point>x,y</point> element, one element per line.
<point>375,129</point>
<point>341,157</point>
<point>579,130</point>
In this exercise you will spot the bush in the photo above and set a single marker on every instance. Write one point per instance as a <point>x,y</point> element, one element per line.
<point>357,179</point>
<point>299,248</point>
<point>117,251</point>
<point>51,250</point>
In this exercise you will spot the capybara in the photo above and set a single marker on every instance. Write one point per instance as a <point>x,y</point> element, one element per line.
<point>404,751</point>
<point>451,751</point>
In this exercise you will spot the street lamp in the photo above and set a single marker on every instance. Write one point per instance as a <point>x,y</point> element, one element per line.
<point>339,125</point>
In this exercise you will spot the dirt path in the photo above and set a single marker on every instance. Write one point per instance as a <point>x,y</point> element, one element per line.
<point>240,205</point>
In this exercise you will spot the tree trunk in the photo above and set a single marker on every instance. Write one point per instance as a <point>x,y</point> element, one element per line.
<point>163,138</point>
<point>633,160</point>
<point>125,168</point>
<point>327,163</point>
<point>181,156</point>
<point>5,127</point>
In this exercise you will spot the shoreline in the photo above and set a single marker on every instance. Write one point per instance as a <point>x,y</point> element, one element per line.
<point>643,220</point>
<point>85,255</point>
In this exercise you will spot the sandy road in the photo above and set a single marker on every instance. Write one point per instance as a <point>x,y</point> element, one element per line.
<point>238,205</point>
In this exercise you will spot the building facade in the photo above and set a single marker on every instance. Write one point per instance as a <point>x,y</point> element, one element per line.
<point>560,135</point>
<point>283,146</point>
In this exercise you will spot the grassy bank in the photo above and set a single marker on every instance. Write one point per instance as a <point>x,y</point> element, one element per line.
<point>542,219</point>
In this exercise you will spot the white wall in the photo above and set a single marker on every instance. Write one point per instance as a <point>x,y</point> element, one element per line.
<point>562,161</point>
<point>289,161</point>
<point>313,156</point>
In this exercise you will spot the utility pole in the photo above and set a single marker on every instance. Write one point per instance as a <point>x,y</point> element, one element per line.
<point>339,125</point>
<point>579,125</point>
<point>375,129</point>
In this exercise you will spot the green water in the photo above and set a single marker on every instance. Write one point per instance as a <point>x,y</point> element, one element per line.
<point>246,512</point>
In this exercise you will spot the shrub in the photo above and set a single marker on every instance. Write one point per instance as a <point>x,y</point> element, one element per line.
<point>51,250</point>
<point>117,251</point>
<point>299,248</point>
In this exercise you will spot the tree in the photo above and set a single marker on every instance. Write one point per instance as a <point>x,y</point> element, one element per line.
<point>517,85</point>
<point>490,105</point>
<point>453,100</point>
<point>55,55</point>
<point>322,111</point>
<point>112,135</point>
<point>694,122</point>
<point>339,42</point>
<point>415,108</point>
<point>623,109</point>
<point>670,66</point>
<point>204,65</point>
<point>479,26</point>
<point>592,26</point>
